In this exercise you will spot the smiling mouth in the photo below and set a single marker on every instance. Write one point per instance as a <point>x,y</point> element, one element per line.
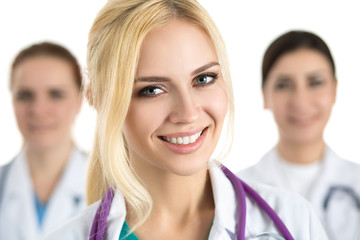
<point>302,121</point>
<point>182,140</point>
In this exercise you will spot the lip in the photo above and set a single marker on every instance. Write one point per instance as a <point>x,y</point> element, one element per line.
<point>184,134</point>
<point>40,128</point>
<point>302,122</point>
<point>189,148</point>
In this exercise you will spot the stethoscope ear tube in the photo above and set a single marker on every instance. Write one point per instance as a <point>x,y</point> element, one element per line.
<point>240,189</point>
<point>349,191</point>
<point>330,195</point>
<point>99,225</point>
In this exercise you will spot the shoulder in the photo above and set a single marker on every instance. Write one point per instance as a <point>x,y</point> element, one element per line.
<point>256,171</point>
<point>79,227</point>
<point>76,228</point>
<point>290,207</point>
<point>337,166</point>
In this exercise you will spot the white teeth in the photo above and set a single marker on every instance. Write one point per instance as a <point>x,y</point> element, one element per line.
<point>183,140</point>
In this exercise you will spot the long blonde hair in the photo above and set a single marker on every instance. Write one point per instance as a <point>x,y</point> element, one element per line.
<point>114,45</point>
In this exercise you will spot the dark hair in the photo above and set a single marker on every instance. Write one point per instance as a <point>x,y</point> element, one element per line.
<point>48,49</point>
<point>292,41</point>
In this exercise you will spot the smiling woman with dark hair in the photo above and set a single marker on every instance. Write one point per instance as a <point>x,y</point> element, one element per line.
<point>299,87</point>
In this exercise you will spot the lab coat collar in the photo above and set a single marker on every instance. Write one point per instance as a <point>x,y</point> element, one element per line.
<point>72,182</point>
<point>224,225</point>
<point>19,176</point>
<point>116,216</point>
<point>225,219</point>
<point>271,159</point>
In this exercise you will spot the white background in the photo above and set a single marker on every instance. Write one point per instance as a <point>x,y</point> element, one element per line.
<point>247,27</point>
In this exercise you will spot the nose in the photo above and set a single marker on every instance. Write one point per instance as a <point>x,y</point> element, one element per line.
<point>185,109</point>
<point>39,107</point>
<point>300,99</point>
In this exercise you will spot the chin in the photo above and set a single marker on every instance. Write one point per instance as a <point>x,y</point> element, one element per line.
<point>186,170</point>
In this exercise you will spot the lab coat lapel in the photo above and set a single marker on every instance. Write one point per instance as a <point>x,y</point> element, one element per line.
<point>68,196</point>
<point>269,168</point>
<point>225,220</point>
<point>18,205</point>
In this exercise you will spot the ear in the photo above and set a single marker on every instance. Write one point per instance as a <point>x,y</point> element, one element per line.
<point>335,89</point>
<point>79,103</point>
<point>265,99</point>
<point>88,94</point>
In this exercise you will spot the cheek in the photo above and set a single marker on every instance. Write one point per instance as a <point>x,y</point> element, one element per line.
<point>20,112</point>
<point>325,104</point>
<point>143,119</point>
<point>216,104</point>
<point>65,112</point>
<point>278,106</point>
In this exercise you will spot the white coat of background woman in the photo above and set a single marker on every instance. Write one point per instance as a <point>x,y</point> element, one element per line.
<point>44,185</point>
<point>299,87</point>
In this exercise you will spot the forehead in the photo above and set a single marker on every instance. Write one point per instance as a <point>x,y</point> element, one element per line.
<point>43,71</point>
<point>177,46</point>
<point>302,60</point>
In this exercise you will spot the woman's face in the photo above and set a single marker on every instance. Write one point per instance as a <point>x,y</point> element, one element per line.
<point>46,100</point>
<point>179,101</point>
<point>300,91</point>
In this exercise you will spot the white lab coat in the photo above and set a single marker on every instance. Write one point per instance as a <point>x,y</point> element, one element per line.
<point>292,209</point>
<point>343,220</point>
<point>18,218</point>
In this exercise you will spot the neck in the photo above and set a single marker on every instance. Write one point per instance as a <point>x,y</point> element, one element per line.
<point>181,195</point>
<point>301,153</point>
<point>182,205</point>
<point>46,167</point>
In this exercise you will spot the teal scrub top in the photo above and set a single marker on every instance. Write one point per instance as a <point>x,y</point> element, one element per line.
<point>125,230</point>
<point>124,233</point>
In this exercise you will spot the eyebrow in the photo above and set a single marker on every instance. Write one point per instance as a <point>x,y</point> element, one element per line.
<point>152,79</point>
<point>205,67</point>
<point>164,79</point>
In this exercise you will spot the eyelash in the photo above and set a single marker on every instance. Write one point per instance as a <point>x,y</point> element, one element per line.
<point>142,92</point>
<point>214,76</point>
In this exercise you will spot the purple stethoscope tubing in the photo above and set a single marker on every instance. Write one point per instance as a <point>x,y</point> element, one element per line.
<point>99,225</point>
<point>241,187</point>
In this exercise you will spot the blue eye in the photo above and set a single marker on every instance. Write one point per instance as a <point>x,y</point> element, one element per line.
<point>150,91</point>
<point>206,79</point>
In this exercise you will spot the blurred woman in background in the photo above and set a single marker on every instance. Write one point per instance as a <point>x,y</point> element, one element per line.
<point>299,87</point>
<point>45,183</point>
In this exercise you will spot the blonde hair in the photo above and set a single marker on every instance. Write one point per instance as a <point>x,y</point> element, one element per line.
<point>114,46</point>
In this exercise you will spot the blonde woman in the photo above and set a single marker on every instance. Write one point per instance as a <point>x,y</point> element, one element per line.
<point>44,184</point>
<point>160,81</point>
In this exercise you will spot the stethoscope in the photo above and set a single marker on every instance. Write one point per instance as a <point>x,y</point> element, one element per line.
<point>331,195</point>
<point>99,224</point>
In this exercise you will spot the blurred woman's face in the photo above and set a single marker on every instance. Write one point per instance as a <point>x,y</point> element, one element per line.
<point>300,91</point>
<point>46,100</point>
<point>179,101</point>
